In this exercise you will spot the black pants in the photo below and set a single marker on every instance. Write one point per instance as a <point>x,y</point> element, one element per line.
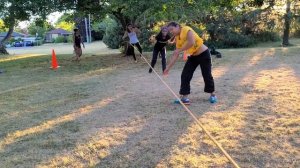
<point>204,60</point>
<point>163,57</point>
<point>130,49</point>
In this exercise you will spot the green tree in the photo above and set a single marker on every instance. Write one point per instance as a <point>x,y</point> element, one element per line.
<point>291,11</point>
<point>286,15</point>
<point>287,24</point>
<point>14,11</point>
<point>65,22</point>
<point>39,29</point>
<point>65,25</point>
<point>2,26</point>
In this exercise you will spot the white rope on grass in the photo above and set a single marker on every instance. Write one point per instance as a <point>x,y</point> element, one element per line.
<point>192,114</point>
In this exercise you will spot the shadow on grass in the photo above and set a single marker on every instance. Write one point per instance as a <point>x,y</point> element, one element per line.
<point>33,90</point>
<point>258,145</point>
<point>154,143</point>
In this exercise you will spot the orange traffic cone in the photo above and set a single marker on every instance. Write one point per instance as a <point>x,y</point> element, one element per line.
<point>54,61</point>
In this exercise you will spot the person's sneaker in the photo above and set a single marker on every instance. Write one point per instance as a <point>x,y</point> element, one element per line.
<point>150,70</point>
<point>213,99</point>
<point>185,101</point>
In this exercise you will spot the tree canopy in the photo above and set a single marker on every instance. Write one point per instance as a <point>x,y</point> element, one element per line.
<point>222,22</point>
<point>14,11</point>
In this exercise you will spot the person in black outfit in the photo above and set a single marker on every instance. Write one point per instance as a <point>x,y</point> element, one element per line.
<point>160,48</point>
<point>77,44</point>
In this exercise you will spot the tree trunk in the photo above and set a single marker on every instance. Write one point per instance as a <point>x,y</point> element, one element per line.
<point>3,50</point>
<point>121,18</point>
<point>124,21</point>
<point>287,23</point>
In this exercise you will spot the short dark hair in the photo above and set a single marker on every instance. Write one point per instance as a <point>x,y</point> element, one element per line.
<point>76,29</point>
<point>129,24</point>
<point>174,24</point>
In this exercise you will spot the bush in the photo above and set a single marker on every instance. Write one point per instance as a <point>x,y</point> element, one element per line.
<point>60,39</point>
<point>97,35</point>
<point>296,34</point>
<point>113,34</point>
<point>236,40</point>
<point>232,40</point>
<point>98,29</point>
<point>70,39</point>
<point>12,40</point>
<point>266,36</point>
<point>38,42</point>
<point>144,39</point>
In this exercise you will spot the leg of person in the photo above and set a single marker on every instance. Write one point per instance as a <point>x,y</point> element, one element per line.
<point>74,54</point>
<point>163,59</point>
<point>79,53</point>
<point>154,59</point>
<point>186,77</point>
<point>131,51</point>
<point>134,57</point>
<point>206,66</point>
<point>139,48</point>
<point>126,47</point>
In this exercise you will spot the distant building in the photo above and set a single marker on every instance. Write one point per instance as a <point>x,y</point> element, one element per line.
<point>53,34</point>
<point>14,35</point>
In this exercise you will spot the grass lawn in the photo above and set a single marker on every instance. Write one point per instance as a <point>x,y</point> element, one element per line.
<point>107,111</point>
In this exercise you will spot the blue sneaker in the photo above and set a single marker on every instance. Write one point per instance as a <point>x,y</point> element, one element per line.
<point>213,99</point>
<point>185,101</point>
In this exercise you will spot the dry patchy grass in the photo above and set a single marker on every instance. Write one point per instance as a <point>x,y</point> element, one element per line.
<point>107,111</point>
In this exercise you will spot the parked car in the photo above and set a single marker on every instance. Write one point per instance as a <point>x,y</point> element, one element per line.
<point>28,43</point>
<point>18,44</point>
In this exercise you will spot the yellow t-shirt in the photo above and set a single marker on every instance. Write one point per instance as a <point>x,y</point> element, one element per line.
<point>182,39</point>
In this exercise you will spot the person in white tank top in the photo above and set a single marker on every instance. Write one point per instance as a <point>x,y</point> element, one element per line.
<point>132,32</point>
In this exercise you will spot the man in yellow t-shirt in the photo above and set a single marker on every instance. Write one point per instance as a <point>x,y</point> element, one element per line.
<point>189,41</point>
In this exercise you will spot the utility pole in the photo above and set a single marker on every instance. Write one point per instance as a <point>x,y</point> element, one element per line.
<point>90,28</point>
<point>86,30</point>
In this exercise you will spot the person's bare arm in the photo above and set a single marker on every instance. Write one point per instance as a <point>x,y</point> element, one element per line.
<point>125,35</point>
<point>73,40</point>
<point>137,30</point>
<point>171,63</point>
<point>172,40</point>
<point>83,44</point>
